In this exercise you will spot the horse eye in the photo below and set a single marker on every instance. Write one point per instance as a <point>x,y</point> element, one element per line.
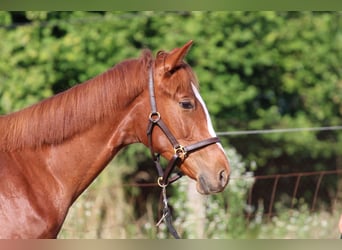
<point>186,105</point>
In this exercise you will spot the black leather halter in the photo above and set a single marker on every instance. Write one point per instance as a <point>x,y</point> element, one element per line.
<point>180,152</point>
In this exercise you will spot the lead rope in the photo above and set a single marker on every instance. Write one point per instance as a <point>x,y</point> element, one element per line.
<point>163,181</point>
<point>166,217</point>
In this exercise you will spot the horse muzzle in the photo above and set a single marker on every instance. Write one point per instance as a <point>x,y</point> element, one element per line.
<point>212,184</point>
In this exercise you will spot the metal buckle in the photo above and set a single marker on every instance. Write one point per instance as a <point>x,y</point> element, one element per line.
<point>180,151</point>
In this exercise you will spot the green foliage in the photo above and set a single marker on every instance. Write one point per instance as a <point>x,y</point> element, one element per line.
<point>297,224</point>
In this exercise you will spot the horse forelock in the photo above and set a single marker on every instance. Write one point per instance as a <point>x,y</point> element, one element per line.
<point>180,80</point>
<point>59,117</point>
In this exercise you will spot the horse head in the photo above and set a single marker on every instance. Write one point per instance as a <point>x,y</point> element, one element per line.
<point>185,117</point>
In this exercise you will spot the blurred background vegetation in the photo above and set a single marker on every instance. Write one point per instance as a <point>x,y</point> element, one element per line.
<point>257,70</point>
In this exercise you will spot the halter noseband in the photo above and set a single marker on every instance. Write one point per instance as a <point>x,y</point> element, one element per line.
<point>180,153</point>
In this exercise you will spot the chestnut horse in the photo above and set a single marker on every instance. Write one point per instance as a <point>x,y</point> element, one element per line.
<point>50,152</point>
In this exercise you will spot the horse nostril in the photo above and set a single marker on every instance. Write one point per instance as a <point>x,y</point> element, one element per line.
<point>223,177</point>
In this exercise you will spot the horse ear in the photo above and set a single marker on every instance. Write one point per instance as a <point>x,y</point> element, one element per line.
<point>176,56</point>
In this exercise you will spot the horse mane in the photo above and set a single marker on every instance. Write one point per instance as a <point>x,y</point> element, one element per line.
<point>62,116</point>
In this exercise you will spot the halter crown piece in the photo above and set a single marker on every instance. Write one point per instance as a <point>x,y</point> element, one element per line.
<point>181,152</point>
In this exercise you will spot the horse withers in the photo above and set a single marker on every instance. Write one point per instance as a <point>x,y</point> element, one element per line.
<point>50,152</point>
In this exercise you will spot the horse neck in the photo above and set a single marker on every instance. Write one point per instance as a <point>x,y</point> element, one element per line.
<point>80,159</point>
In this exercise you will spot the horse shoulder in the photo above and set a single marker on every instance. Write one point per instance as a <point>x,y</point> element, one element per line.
<point>24,214</point>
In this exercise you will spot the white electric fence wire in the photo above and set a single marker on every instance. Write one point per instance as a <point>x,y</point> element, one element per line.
<point>284,130</point>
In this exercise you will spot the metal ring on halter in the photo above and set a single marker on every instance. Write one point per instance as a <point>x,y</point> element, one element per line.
<point>154,117</point>
<point>159,180</point>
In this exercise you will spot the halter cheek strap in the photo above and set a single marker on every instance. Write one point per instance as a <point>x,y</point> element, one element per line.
<point>180,154</point>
